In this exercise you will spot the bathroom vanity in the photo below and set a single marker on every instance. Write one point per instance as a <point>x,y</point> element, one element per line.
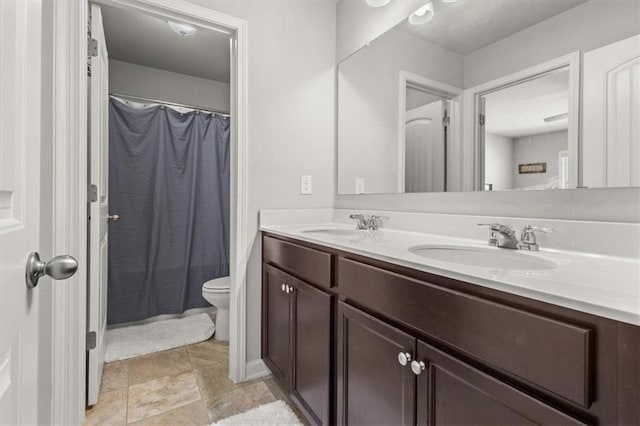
<point>358,338</point>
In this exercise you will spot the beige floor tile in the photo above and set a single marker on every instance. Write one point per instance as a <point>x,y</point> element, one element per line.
<point>159,364</point>
<point>115,376</point>
<point>111,409</point>
<point>275,389</point>
<point>194,414</point>
<point>213,380</point>
<point>161,395</point>
<point>208,353</point>
<point>238,400</point>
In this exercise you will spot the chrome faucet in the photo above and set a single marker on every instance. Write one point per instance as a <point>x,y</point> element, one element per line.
<point>501,236</point>
<point>504,237</point>
<point>528,238</point>
<point>371,223</point>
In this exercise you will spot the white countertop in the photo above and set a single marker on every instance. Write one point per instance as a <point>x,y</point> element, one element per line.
<point>606,286</point>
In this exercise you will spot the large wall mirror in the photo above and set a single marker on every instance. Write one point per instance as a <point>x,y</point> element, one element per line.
<point>494,96</point>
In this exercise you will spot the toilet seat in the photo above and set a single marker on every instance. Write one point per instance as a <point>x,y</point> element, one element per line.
<point>218,285</point>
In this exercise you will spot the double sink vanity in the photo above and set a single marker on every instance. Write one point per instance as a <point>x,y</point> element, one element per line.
<point>510,110</point>
<point>394,327</point>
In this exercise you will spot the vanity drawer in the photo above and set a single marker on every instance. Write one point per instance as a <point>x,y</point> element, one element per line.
<point>311,265</point>
<point>548,353</point>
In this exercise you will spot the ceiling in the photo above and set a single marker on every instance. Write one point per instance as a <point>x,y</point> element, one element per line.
<point>520,110</point>
<point>147,40</point>
<point>468,25</point>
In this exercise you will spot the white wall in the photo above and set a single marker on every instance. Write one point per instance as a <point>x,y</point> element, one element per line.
<point>358,24</point>
<point>613,19</point>
<point>152,83</point>
<point>543,148</point>
<point>586,27</point>
<point>498,160</point>
<point>291,117</point>
<point>368,85</point>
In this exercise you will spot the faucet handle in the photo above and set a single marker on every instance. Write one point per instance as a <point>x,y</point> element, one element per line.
<point>375,221</point>
<point>528,238</point>
<point>498,227</point>
<point>530,228</point>
<point>361,221</point>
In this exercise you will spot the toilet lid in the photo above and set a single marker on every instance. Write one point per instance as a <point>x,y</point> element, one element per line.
<point>219,284</point>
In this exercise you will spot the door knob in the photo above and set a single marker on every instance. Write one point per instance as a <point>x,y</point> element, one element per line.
<point>113,217</point>
<point>404,358</point>
<point>417,367</point>
<point>58,268</point>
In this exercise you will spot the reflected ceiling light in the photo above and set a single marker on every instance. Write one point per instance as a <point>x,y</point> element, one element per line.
<point>449,1</point>
<point>184,30</point>
<point>377,3</point>
<point>558,117</point>
<point>422,15</point>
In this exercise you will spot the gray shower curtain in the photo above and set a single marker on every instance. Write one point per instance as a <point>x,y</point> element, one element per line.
<point>169,182</point>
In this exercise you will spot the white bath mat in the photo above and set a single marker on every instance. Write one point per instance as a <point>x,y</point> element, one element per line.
<point>276,413</point>
<point>127,342</point>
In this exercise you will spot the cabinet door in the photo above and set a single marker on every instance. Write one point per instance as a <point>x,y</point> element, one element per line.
<point>451,392</point>
<point>276,323</point>
<point>311,351</point>
<point>373,388</point>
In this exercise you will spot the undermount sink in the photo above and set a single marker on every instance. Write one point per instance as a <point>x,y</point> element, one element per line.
<point>334,231</point>
<point>492,258</point>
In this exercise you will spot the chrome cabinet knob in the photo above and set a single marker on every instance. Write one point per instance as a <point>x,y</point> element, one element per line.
<point>113,217</point>
<point>284,287</point>
<point>58,268</point>
<point>290,289</point>
<point>404,358</point>
<point>417,367</point>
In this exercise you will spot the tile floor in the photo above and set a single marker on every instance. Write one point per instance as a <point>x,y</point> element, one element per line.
<point>183,386</point>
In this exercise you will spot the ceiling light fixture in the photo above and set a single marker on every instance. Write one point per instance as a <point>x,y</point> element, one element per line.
<point>184,30</point>
<point>558,117</point>
<point>422,15</point>
<point>377,3</point>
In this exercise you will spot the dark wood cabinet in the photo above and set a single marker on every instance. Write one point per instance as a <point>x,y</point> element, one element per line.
<point>276,322</point>
<point>451,392</point>
<point>373,387</point>
<point>296,340</point>
<point>410,347</point>
<point>310,384</point>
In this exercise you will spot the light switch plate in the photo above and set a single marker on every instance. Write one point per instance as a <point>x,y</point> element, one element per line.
<point>305,185</point>
<point>359,185</point>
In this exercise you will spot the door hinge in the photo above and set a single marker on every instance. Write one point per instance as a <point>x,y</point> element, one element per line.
<point>93,47</point>
<point>481,119</point>
<point>446,120</point>
<point>93,193</point>
<point>92,340</point>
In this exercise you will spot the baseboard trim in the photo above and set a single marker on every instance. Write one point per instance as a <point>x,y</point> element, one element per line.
<point>256,369</point>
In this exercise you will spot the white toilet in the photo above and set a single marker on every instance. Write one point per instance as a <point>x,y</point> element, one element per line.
<point>216,292</point>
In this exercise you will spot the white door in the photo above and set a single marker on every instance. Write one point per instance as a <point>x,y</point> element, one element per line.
<point>425,148</point>
<point>99,210</point>
<point>24,349</point>
<point>611,132</point>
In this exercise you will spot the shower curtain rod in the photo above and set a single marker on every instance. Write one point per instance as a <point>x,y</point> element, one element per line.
<point>157,101</point>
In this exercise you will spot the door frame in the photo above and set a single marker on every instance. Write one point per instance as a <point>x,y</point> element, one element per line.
<point>474,144</point>
<point>70,174</point>
<point>432,86</point>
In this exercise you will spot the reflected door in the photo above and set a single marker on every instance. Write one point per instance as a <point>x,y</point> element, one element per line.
<point>426,148</point>
<point>611,134</point>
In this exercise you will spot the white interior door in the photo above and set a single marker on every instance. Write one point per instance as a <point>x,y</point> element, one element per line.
<point>425,149</point>
<point>20,145</point>
<point>99,210</point>
<point>611,132</point>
